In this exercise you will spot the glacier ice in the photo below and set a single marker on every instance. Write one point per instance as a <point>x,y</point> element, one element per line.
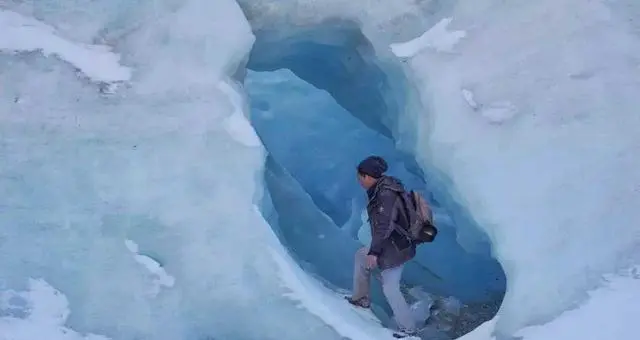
<point>565,106</point>
<point>82,172</point>
<point>526,127</point>
<point>551,185</point>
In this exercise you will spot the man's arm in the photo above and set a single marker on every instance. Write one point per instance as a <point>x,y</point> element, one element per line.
<point>382,220</point>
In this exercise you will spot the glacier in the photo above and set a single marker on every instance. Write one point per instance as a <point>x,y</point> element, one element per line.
<point>149,190</point>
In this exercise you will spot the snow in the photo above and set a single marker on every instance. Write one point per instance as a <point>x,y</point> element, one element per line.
<point>160,276</point>
<point>23,34</point>
<point>437,38</point>
<point>499,112</point>
<point>46,312</point>
<point>496,112</point>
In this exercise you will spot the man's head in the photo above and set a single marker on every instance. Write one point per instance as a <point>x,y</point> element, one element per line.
<point>370,170</point>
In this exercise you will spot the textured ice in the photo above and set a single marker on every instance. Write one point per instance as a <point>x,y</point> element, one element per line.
<point>552,186</point>
<point>154,162</point>
<point>543,158</point>
<point>82,173</point>
<point>23,34</point>
<point>544,163</point>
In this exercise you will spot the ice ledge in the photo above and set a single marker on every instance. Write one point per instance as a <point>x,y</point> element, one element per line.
<point>23,34</point>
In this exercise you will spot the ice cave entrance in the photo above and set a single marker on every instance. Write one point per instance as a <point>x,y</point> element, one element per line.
<point>320,102</point>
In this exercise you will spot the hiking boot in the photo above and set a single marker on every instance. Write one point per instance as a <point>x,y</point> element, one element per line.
<point>400,334</point>
<point>361,302</point>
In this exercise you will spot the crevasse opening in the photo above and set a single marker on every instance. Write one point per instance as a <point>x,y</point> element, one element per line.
<point>320,102</point>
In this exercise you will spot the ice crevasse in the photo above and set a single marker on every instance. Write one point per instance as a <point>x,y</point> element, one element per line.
<point>132,181</point>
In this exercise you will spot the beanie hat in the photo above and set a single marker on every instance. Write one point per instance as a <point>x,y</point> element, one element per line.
<point>373,166</point>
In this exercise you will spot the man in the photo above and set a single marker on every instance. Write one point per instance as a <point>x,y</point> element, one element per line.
<point>389,250</point>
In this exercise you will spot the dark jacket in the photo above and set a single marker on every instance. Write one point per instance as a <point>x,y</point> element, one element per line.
<point>385,210</point>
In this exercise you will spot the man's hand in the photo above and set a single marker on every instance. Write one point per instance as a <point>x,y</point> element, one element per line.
<point>372,261</point>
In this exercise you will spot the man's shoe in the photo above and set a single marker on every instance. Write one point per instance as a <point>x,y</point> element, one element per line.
<point>405,334</point>
<point>361,302</point>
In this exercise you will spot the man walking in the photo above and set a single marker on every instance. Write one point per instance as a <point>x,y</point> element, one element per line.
<point>389,250</point>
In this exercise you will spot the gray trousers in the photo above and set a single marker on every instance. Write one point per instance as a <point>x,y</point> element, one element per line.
<point>390,286</point>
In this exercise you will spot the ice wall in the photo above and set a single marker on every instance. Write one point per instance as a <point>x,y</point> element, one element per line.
<point>530,114</point>
<point>526,114</point>
<point>82,173</point>
<point>536,124</point>
<point>119,195</point>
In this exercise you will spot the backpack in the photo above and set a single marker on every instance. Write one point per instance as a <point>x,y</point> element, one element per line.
<point>420,218</point>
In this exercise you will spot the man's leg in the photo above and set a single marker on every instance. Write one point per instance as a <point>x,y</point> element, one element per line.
<point>391,288</point>
<point>361,279</point>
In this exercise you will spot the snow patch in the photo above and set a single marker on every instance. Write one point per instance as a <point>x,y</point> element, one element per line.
<point>496,112</point>
<point>499,112</point>
<point>23,34</point>
<point>46,311</point>
<point>437,38</point>
<point>468,96</point>
<point>160,276</point>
